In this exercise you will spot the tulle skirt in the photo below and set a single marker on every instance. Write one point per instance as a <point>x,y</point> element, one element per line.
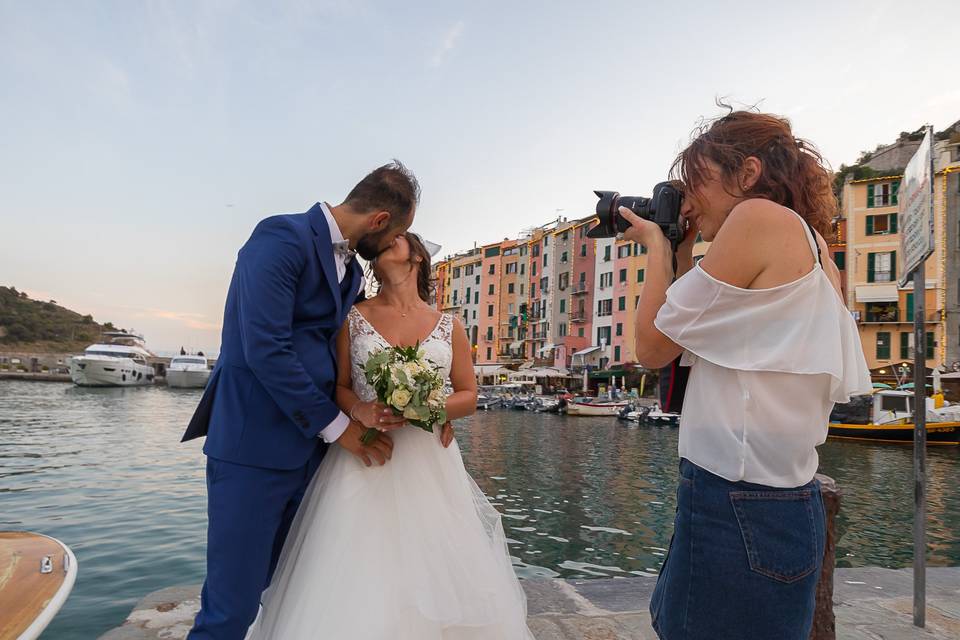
<point>411,550</point>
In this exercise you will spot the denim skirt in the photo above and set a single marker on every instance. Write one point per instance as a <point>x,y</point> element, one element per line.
<point>743,562</point>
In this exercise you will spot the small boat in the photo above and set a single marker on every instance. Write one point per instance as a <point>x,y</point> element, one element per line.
<point>486,402</point>
<point>546,404</point>
<point>37,574</point>
<point>630,413</point>
<point>887,416</point>
<point>657,418</point>
<point>188,372</point>
<point>119,360</point>
<point>594,407</point>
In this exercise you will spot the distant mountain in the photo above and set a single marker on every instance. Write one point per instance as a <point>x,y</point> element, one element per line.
<point>32,325</point>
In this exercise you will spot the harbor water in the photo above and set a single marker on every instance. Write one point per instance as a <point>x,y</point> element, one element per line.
<point>103,470</point>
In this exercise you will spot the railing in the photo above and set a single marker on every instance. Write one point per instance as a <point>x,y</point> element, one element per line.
<point>577,316</point>
<point>579,287</point>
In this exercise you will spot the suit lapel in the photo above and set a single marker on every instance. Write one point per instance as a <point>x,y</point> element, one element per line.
<point>355,274</point>
<point>324,247</point>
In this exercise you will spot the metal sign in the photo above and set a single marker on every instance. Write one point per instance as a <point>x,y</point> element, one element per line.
<point>916,209</point>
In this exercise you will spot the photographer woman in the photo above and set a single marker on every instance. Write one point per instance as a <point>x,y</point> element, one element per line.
<point>772,348</point>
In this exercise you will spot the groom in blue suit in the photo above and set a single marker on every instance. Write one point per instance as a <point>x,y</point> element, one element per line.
<point>268,411</point>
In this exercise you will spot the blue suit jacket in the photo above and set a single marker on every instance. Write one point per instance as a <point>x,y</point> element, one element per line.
<point>272,391</point>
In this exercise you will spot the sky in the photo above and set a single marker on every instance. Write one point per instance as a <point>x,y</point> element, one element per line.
<point>142,141</point>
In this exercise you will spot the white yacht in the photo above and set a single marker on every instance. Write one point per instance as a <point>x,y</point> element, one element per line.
<point>120,360</point>
<point>188,372</point>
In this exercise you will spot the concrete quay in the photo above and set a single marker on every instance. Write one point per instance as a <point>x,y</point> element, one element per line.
<point>869,604</point>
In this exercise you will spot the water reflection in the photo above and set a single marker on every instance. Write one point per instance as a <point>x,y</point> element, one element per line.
<point>103,469</point>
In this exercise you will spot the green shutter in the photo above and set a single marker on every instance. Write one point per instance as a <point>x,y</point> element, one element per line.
<point>929,345</point>
<point>904,344</point>
<point>869,196</point>
<point>893,266</point>
<point>870,225</point>
<point>909,317</point>
<point>894,190</point>
<point>640,275</point>
<point>893,222</point>
<point>871,259</point>
<point>883,345</point>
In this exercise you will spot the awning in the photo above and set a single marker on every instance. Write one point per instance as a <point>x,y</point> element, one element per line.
<point>587,351</point>
<point>516,345</point>
<point>877,293</point>
<point>607,373</point>
<point>488,369</point>
<point>546,347</point>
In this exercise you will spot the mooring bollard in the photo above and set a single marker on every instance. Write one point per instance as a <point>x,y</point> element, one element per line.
<point>824,623</point>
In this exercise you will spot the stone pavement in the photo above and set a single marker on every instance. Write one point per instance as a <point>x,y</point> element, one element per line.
<point>869,603</point>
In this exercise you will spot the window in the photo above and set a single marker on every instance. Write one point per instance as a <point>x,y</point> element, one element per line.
<point>883,194</point>
<point>606,280</point>
<point>905,344</point>
<point>533,289</point>
<point>616,353</point>
<point>563,281</point>
<point>840,259</point>
<point>563,305</point>
<point>580,332</point>
<point>510,287</point>
<point>563,257</point>
<point>882,267</point>
<point>583,276</point>
<point>523,268</point>
<point>533,269</point>
<point>883,345</point>
<point>641,273</point>
<point>623,251</point>
<point>623,274</point>
<point>583,249</point>
<point>489,333</point>
<point>544,281</point>
<point>619,328</point>
<point>603,335</point>
<point>477,280</point>
<point>456,272</point>
<point>468,270</point>
<point>468,295</point>
<point>545,259</point>
<point>489,310</point>
<point>636,301</point>
<point>606,253</point>
<point>931,343</point>
<point>511,267</point>
<point>622,303</point>
<point>474,314</point>
<point>492,269</point>
<point>882,312</point>
<point>490,252</point>
<point>881,225</point>
<point>455,292</point>
<point>476,297</point>
<point>490,290</point>
<point>535,252</point>
<point>604,307</point>
<point>563,329</point>
<point>510,308</point>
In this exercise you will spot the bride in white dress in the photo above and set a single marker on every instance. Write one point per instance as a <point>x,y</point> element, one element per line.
<point>412,549</point>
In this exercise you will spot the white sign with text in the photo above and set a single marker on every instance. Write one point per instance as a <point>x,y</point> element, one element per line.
<point>916,214</point>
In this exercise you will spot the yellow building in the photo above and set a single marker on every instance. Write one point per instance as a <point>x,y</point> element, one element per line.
<point>884,310</point>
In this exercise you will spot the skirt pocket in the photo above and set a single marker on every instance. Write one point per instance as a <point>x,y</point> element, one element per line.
<point>779,532</point>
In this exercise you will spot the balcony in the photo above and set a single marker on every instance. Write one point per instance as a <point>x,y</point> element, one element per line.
<point>578,316</point>
<point>578,287</point>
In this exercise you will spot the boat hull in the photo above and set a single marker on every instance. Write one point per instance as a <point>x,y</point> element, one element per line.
<point>30,598</point>
<point>187,379</point>
<point>586,409</point>
<point>941,433</point>
<point>119,372</point>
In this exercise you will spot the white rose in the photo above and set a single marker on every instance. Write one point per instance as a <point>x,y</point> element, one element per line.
<point>400,397</point>
<point>436,398</point>
<point>411,369</point>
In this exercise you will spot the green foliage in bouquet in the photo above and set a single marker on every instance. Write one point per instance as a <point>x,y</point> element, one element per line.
<point>408,383</point>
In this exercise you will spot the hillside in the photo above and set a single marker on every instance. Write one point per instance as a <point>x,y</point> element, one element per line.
<point>32,325</point>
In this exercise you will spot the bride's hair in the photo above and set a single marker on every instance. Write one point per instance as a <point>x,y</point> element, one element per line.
<point>425,281</point>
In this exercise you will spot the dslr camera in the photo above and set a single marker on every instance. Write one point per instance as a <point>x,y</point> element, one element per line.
<point>663,208</point>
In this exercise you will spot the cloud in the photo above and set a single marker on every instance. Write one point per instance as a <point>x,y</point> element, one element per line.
<point>189,320</point>
<point>447,44</point>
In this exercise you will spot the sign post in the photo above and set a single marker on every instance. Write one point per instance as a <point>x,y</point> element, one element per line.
<point>916,245</point>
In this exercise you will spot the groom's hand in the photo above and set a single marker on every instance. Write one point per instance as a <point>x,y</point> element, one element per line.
<point>378,451</point>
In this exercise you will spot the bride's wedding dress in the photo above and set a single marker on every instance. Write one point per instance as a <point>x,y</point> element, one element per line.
<point>411,550</point>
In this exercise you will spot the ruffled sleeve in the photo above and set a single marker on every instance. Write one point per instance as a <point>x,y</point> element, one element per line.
<point>801,327</point>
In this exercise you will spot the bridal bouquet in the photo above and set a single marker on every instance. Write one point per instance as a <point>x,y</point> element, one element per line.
<point>408,383</point>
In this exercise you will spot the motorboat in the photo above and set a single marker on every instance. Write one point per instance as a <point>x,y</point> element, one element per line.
<point>887,416</point>
<point>38,575</point>
<point>595,407</point>
<point>188,372</point>
<point>486,402</point>
<point>656,417</point>
<point>119,360</point>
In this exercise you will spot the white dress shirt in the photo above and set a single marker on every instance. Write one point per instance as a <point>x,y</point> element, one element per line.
<point>335,429</point>
<point>767,366</point>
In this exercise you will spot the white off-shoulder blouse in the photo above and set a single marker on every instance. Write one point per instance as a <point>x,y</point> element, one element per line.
<point>767,366</point>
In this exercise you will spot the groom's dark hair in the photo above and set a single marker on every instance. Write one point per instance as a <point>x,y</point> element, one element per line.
<point>391,187</point>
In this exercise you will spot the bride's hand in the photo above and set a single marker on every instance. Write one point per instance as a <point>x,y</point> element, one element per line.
<point>376,415</point>
<point>446,434</point>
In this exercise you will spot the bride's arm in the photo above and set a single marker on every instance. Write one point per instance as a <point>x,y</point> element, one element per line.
<point>369,414</point>
<point>463,401</point>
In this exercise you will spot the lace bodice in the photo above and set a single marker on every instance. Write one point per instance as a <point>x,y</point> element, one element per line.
<point>364,340</point>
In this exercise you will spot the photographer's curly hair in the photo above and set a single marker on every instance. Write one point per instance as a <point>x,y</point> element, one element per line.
<point>793,173</point>
<point>426,283</point>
